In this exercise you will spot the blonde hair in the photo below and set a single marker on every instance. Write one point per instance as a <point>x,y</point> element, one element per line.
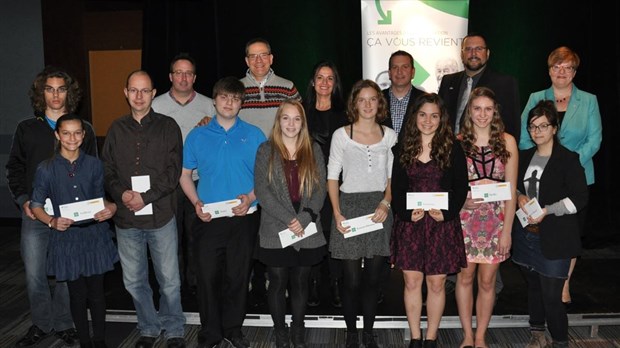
<point>306,162</point>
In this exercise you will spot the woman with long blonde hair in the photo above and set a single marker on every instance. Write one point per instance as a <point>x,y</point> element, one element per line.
<point>290,187</point>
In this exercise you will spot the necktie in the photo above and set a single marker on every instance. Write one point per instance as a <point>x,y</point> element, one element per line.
<point>462,104</point>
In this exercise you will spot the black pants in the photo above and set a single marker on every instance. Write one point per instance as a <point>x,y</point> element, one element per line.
<point>84,293</point>
<point>279,279</point>
<point>334,266</point>
<point>544,302</point>
<point>223,251</point>
<point>186,215</point>
<point>361,284</point>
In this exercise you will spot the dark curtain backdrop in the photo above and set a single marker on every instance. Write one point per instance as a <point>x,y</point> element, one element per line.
<point>520,35</point>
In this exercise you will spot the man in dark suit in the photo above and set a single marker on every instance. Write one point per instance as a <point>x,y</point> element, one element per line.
<point>475,54</point>
<point>401,94</point>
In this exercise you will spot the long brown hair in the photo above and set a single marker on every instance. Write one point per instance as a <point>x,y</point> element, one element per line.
<point>306,163</point>
<point>496,137</point>
<point>441,145</point>
<point>352,112</point>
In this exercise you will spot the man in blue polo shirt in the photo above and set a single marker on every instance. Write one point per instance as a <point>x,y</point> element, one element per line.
<point>223,152</point>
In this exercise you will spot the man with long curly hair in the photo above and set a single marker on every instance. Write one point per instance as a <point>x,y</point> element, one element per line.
<point>53,93</point>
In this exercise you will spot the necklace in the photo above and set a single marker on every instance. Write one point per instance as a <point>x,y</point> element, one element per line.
<point>562,99</point>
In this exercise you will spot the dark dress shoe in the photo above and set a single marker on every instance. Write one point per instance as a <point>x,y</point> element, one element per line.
<point>415,343</point>
<point>32,337</point>
<point>145,342</point>
<point>69,336</point>
<point>175,342</point>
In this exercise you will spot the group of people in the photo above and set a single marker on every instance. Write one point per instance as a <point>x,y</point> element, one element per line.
<point>266,186</point>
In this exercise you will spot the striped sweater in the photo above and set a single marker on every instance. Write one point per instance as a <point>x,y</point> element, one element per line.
<point>263,99</point>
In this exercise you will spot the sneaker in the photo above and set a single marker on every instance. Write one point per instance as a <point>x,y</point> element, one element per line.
<point>238,341</point>
<point>146,342</point>
<point>32,337</point>
<point>69,336</point>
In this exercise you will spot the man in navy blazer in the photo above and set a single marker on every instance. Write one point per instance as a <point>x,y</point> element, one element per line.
<point>475,55</point>
<point>401,94</point>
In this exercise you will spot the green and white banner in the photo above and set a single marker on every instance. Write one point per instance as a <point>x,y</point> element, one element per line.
<point>430,30</point>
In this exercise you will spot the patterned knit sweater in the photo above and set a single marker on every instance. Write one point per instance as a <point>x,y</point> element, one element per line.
<point>262,99</point>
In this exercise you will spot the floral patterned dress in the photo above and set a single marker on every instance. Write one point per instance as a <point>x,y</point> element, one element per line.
<point>483,226</point>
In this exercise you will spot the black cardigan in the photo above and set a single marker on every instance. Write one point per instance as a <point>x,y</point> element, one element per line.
<point>563,177</point>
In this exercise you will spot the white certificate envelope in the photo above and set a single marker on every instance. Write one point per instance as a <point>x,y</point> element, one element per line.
<point>533,208</point>
<point>361,225</point>
<point>142,183</point>
<point>522,217</point>
<point>287,237</point>
<point>427,200</point>
<point>221,209</point>
<point>82,210</point>
<point>492,192</point>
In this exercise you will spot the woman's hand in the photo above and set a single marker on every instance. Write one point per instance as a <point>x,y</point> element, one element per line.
<point>539,219</point>
<point>436,214</point>
<point>505,243</point>
<point>417,215</point>
<point>472,203</point>
<point>296,227</point>
<point>61,223</point>
<point>107,213</point>
<point>522,201</point>
<point>338,219</point>
<point>381,213</point>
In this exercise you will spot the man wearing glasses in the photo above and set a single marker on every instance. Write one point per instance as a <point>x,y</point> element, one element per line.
<point>455,88</point>
<point>264,90</point>
<point>53,94</point>
<point>187,107</point>
<point>142,162</point>
<point>223,152</point>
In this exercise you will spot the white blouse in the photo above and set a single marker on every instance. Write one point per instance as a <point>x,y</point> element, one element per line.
<point>365,168</point>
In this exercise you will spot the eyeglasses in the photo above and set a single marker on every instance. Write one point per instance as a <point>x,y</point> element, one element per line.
<point>59,90</point>
<point>179,73</point>
<point>229,97</point>
<point>478,49</point>
<point>262,56</point>
<point>142,91</point>
<point>557,68</point>
<point>540,128</point>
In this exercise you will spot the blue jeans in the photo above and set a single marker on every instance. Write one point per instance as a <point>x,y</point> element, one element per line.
<point>47,311</point>
<point>162,243</point>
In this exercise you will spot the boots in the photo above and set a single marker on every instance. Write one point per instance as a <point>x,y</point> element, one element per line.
<point>335,287</point>
<point>282,340</point>
<point>415,343</point>
<point>368,338</point>
<point>352,340</point>
<point>430,344</point>
<point>298,335</point>
<point>313,293</point>
<point>538,340</point>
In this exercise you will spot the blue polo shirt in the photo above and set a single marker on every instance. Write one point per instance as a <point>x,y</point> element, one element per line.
<point>224,159</point>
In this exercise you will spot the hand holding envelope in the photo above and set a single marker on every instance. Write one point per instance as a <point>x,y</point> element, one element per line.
<point>531,213</point>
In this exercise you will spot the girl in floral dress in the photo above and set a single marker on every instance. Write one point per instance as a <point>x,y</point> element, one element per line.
<point>492,156</point>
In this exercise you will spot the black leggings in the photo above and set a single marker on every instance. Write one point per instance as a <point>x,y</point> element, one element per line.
<point>88,292</point>
<point>279,277</point>
<point>353,275</point>
<point>544,302</point>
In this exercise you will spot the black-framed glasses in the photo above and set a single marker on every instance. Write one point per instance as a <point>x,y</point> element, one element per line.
<point>540,128</point>
<point>476,49</point>
<point>142,91</point>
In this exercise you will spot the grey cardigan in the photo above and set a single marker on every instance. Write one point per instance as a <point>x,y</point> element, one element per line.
<point>276,206</point>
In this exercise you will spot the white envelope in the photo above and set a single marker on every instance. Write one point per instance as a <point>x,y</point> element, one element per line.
<point>492,192</point>
<point>361,225</point>
<point>427,200</point>
<point>522,217</point>
<point>287,237</point>
<point>142,183</point>
<point>82,210</point>
<point>533,208</point>
<point>221,209</point>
